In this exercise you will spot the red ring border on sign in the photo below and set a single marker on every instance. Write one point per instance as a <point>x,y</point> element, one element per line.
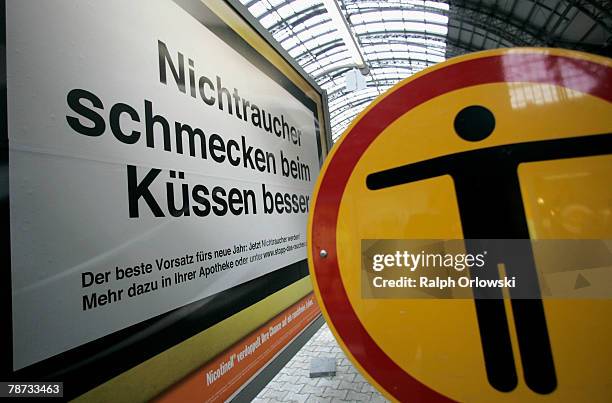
<point>485,70</point>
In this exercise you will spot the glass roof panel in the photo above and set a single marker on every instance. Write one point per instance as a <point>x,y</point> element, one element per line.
<point>257,9</point>
<point>270,19</point>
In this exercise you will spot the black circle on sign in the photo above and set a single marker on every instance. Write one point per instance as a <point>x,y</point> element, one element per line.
<point>474,123</point>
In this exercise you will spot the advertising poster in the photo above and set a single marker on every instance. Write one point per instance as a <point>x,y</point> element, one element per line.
<point>153,163</point>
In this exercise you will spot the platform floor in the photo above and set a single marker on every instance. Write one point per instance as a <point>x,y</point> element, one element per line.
<point>293,384</point>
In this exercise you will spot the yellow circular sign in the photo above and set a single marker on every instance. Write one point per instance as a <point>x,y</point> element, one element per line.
<point>498,144</point>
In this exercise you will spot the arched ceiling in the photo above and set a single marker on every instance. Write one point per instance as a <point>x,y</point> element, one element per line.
<point>398,38</point>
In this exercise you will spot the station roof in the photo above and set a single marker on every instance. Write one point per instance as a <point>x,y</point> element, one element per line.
<point>398,38</point>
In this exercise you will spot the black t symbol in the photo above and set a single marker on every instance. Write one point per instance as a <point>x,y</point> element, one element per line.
<point>491,207</point>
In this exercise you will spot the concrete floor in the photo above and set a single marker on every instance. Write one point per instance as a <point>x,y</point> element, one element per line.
<point>293,383</point>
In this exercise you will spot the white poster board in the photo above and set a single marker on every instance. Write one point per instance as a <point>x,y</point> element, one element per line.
<point>151,165</point>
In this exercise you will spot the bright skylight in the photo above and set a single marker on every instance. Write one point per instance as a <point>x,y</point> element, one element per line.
<point>397,39</point>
